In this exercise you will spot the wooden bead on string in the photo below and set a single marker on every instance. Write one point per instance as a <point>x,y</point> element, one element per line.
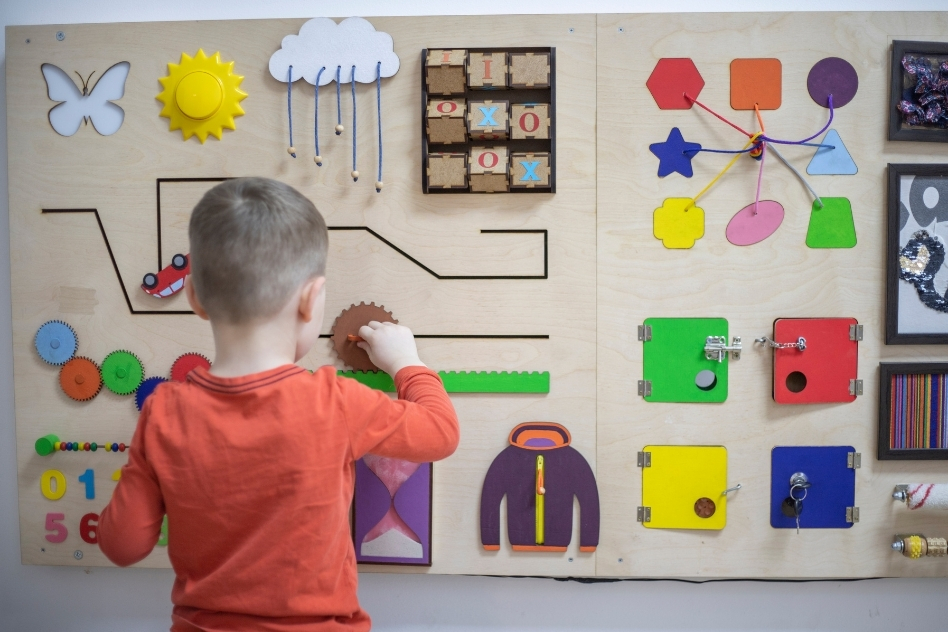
<point>355,175</point>
<point>318,160</point>
<point>291,151</point>
<point>378,186</point>
<point>339,129</point>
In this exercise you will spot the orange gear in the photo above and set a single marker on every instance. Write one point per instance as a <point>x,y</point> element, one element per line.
<point>348,324</point>
<point>80,379</point>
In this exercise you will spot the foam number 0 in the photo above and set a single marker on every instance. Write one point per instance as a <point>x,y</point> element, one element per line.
<point>89,528</point>
<point>88,477</point>
<point>53,524</point>
<point>53,484</point>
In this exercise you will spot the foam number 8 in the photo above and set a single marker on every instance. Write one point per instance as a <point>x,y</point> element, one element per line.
<point>89,528</point>
<point>53,524</point>
<point>53,486</point>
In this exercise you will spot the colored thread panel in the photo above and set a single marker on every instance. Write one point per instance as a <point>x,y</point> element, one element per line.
<point>672,79</point>
<point>833,159</point>
<point>464,382</point>
<point>821,373</point>
<point>918,412</point>
<point>53,484</point>
<point>756,82</point>
<point>674,360</point>
<point>684,487</point>
<point>831,226</point>
<point>832,485</point>
<point>678,223</point>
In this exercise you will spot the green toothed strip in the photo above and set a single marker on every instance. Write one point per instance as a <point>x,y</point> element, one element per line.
<point>466,382</point>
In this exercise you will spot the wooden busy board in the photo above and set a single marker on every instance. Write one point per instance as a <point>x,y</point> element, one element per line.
<point>606,272</point>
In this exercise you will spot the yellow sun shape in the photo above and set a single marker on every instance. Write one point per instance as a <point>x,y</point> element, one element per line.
<point>201,96</point>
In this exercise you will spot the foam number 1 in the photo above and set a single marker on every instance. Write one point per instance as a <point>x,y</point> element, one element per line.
<point>53,485</point>
<point>88,477</point>
<point>89,528</point>
<point>53,524</point>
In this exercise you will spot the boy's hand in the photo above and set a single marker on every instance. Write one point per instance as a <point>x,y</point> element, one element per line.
<point>390,347</point>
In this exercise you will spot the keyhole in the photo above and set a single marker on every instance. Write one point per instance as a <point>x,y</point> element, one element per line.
<point>796,382</point>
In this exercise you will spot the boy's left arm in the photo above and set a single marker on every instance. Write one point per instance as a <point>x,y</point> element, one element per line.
<point>130,524</point>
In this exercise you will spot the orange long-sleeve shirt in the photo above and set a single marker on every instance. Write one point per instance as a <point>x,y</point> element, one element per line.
<point>256,475</point>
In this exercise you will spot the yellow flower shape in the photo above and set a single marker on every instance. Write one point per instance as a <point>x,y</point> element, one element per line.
<point>678,223</point>
<point>201,96</point>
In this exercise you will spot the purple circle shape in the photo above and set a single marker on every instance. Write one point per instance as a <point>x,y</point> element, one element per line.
<point>832,76</point>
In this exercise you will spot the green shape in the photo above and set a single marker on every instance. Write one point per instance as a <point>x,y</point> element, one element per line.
<point>466,382</point>
<point>122,372</point>
<point>46,445</point>
<point>831,226</point>
<point>163,538</point>
<point>674,356</point>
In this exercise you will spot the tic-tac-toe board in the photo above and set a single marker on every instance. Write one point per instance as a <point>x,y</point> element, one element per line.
<point>529,305</point>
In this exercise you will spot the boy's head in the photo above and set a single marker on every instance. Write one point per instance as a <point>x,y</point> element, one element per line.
<point>254,242</point>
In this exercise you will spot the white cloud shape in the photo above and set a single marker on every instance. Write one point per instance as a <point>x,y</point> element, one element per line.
<point>323,43</point>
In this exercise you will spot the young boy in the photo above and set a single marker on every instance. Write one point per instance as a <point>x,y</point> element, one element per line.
<point>253,460</point>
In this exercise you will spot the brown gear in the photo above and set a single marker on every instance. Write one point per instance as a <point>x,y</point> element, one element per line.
<point>80,379</point>
<point>348,323</point>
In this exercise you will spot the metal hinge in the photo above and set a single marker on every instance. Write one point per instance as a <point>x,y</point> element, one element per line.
<point>855,333</point>
<point>855,387</point>
<point>715,348</point>
<point>852,515</point>
<point>644,459</point>
<point>645,333</point>
<point>643,514</point>
<point>645,388</point>
<point>853,460</point>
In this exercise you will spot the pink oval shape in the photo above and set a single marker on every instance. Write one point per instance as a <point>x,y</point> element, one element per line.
<point>747,228</point>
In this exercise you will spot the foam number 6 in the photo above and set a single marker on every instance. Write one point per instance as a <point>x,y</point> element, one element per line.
<point>88,477</point>
<point>89,528</point>
<point>53,484</point>
<point>53,524</point>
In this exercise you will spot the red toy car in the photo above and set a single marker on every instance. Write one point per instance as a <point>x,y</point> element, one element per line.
<point>170,280</point>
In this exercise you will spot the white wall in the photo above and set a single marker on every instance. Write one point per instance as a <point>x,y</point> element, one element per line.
<point>37,599</point>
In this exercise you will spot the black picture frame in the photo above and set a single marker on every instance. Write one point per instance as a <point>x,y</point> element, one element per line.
<point>892,334</point>
<point>897,130</point>
<point>886,371</point>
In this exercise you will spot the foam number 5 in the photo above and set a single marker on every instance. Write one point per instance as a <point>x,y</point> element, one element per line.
<point>89,528</point>
<point>53,524</point>
<point>88,477</point>
<point>94,105</point>
<point>53,485</point>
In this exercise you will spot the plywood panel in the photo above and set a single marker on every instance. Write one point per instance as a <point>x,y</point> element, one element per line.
<point>61,268</point>
<point>750,286</point>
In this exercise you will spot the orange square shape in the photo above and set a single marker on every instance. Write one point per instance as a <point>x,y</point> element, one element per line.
<point>756,81</point>
<point>819,374</point>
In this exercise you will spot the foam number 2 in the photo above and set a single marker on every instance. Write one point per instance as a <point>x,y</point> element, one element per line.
<point>88,477</point>
<point>53,484</point>
<point>53,524</point>
<point>89,528</point>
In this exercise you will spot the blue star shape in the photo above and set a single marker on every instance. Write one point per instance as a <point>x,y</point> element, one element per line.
<point>675,154</point>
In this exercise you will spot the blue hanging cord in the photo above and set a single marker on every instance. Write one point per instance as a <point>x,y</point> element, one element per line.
<point>339,126</point>
<point>317,158</point>
<point>355,172</point>
<point>378,104</point>
<point>289,107</point>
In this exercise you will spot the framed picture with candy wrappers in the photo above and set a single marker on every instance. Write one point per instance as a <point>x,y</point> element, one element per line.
<point>918,91</point>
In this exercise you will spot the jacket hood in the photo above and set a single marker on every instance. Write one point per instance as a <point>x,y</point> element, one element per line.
<point>539,435</point>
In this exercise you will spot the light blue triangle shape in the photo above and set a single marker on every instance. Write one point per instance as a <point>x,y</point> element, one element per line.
<point>832,162</point>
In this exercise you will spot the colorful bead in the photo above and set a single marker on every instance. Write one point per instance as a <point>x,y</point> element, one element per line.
<point>108,447</point>
<point>121,447</point>
<point>86,446</point>
<point>115,447</point>
<point>94,446</point>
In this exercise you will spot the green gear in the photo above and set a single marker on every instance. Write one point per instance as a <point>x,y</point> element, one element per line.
<point>122,372</point>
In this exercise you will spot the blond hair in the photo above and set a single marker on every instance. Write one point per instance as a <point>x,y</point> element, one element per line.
<point>254,241</point>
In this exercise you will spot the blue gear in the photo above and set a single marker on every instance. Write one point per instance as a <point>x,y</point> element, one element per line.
<point>146,388</point>
<point>56,342</point>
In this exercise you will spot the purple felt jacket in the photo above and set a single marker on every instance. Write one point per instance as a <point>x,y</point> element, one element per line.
<point>565,474</point>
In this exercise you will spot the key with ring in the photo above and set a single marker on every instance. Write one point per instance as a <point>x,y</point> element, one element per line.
<point>792,506</point>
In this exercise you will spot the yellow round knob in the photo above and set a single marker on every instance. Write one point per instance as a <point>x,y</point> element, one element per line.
<point>199,95</point>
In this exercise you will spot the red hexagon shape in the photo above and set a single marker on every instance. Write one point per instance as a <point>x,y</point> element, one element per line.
<point>671,79</point>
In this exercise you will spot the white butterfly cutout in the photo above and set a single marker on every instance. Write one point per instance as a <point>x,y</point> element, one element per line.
<point>94,105</point>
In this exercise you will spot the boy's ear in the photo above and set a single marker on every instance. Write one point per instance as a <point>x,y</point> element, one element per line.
<point>309,298</point>
<point>193,299</point>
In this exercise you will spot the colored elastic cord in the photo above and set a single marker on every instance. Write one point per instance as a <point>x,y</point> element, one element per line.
<point>289,103</point>
<point>730,164</point>
<point>805,140</point>
<point>709,110</point>
<point>316,116</point>
<point>378,106</point>
<point>338,102</point>
<point>760,174</point>
<point>798,174</point>
<point>354,122</point>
